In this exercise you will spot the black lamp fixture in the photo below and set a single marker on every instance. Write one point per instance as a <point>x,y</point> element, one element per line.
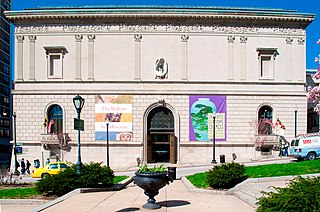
<point>214,139</point>
<point>78,103</point>
<point>107,124</point>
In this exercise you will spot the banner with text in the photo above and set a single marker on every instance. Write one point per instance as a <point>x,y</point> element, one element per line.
<point>201,118</point>
<point>118,110</point>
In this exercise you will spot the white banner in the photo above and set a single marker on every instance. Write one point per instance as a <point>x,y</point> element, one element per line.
<point>113,108</point>
<point>114,127</point>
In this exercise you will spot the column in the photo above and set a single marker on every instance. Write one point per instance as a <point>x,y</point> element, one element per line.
<point>243,56</point>
<point>231,40</point>
<point>184,71</point>
<point>78,56</point>
<point>32,71</point>
<point>289,59</point>
<point>19,58</point>
<point>137,56</point>
<point>91,57</point>
<point>302,63</point>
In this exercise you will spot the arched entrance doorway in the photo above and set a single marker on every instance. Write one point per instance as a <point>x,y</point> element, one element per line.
<point>161,140</point>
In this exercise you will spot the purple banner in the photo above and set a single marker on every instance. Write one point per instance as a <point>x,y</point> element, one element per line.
<point>200,128</point>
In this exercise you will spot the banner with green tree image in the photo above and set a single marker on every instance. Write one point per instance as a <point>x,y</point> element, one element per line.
<point>199,125</point>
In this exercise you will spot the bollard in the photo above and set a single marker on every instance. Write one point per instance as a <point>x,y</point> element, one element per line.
<point>172,172</point>
<point>222,159</point>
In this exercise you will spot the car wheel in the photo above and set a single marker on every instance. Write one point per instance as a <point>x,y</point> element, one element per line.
<point>44,175</point>
<point>311,156</point>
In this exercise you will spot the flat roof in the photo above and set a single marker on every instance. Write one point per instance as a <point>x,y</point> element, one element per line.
<point>160,11</point>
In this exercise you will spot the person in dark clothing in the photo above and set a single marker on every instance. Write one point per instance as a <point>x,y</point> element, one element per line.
<point>23,166</point>
<point>16,168</point>
<point>28,164</point>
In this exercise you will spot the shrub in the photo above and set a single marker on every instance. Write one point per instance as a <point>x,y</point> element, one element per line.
<point>146,169</point>
<point>226,175</point>
<point>302,194</point>
<point>93,176</point>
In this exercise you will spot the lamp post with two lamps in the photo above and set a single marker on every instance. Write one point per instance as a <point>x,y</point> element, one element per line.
<point>14,116</point>
<point>78,103</point>
<point>107,124</point>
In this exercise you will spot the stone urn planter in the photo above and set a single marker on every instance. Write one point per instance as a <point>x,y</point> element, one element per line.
<point>151,183</point>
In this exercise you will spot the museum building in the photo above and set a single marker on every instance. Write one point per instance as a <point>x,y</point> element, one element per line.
<point>160,84</point>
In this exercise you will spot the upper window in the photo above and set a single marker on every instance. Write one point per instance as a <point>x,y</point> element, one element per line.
<point>265,120</point>
<point>55,119</point>
<point>55,55</point>
<point>266,58</point>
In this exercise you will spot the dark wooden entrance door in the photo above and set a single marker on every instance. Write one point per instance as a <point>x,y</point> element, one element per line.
<point>161,141</point>
<point>173,148</point>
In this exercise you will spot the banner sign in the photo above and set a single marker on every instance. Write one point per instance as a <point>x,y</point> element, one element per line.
<point>118,110</point>
<point>201,120</point>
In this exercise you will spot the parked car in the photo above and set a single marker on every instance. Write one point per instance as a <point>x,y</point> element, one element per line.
<point>305,147</point>
<point>49,169</point>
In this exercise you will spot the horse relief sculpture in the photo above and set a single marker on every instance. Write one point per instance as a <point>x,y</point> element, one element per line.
<point>161,69</point>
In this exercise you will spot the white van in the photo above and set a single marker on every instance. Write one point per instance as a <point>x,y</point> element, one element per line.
<point>305,146</point>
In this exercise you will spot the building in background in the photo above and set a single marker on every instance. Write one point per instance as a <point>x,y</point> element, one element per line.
<point>5,87</point>
<point>154,78</point>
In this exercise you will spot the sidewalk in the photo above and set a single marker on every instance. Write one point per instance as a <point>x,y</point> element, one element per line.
<point>178,196</point>
<point>174,197</point>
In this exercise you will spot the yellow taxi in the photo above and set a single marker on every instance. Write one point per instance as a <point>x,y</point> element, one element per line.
<point>49,169</point>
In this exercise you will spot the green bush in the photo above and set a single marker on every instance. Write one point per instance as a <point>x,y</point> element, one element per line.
<point>226,175</point>
<point>302,194</point>
<point>93,176</point>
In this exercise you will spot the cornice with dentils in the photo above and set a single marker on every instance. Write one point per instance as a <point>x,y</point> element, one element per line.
<point>161,13</point>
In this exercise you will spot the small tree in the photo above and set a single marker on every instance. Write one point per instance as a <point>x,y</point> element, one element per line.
<point>259,129</point>
<point>314,93</point>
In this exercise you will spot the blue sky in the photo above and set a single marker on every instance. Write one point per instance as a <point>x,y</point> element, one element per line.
<point>302,6</point>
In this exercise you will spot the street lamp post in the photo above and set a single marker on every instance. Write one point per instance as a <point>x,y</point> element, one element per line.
<point>15,143</point>
<point>107,123</point>
<point>295,120</point>
<point>214,139</point>
<point>78,103</point>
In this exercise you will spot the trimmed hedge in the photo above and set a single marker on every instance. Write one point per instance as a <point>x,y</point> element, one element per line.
<point>93,176</point>
<point>302,194</point>
<point>226,176</point>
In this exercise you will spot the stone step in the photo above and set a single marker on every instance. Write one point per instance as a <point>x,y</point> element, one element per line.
<point>250,192</point>
<point>248,198</point>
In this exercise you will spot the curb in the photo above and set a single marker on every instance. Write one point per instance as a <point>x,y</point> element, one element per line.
<point>22,201</point>
<point>192,188</point>
<point>230,191</point>
<point>78,191</point>
<point>56,201</point>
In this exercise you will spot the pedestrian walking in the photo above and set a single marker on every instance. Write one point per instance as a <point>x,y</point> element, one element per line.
<point>28,164</point>
<point>16,168</point>
<point>23,166</point>
<point>286,148</point>
<point>48,161</point>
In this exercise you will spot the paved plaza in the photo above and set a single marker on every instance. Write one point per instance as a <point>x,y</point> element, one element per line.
<point>177,196</point>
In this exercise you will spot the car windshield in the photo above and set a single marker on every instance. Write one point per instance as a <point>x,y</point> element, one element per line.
<point>53,166</point>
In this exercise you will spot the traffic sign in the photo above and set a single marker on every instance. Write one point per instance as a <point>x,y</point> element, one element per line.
<point>78,124</point>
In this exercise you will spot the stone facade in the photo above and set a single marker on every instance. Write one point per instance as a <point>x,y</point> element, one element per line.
<point>112,51</point>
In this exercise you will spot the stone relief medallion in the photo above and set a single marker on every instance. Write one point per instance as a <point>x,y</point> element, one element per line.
<point>161,69</point>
